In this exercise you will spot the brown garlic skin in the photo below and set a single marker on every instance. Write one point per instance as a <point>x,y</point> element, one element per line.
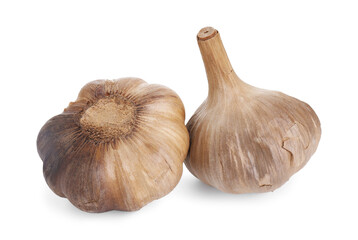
<point>244,139</point>
<point>119,146</point>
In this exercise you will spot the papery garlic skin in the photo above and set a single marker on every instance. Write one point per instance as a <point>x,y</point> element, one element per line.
<point>244,139</point>
<point>119,146</point>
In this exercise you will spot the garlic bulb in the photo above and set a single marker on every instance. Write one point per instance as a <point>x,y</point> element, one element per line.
<point>245,139</point>
<point>120,145</point>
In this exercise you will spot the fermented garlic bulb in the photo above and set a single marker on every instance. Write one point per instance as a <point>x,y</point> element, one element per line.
<point>120,145</point>
<point>245,139</point>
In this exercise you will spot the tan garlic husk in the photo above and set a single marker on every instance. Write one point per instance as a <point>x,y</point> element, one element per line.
<point>119,146</point>
<point>245,139</point>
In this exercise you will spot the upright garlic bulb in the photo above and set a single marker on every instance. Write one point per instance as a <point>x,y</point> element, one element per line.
<point>245,139</point>
<point>120,145</point>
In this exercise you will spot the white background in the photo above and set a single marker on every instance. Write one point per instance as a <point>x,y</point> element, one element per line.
<point>307,49</point>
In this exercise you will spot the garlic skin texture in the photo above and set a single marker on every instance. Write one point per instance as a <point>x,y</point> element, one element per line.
<point>119,146</point>
<point>244,139</point>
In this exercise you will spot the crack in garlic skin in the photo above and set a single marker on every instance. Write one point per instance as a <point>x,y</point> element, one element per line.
<point>122,161</point>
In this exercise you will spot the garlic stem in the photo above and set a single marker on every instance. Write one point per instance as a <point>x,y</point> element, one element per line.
<point>218,68</point>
